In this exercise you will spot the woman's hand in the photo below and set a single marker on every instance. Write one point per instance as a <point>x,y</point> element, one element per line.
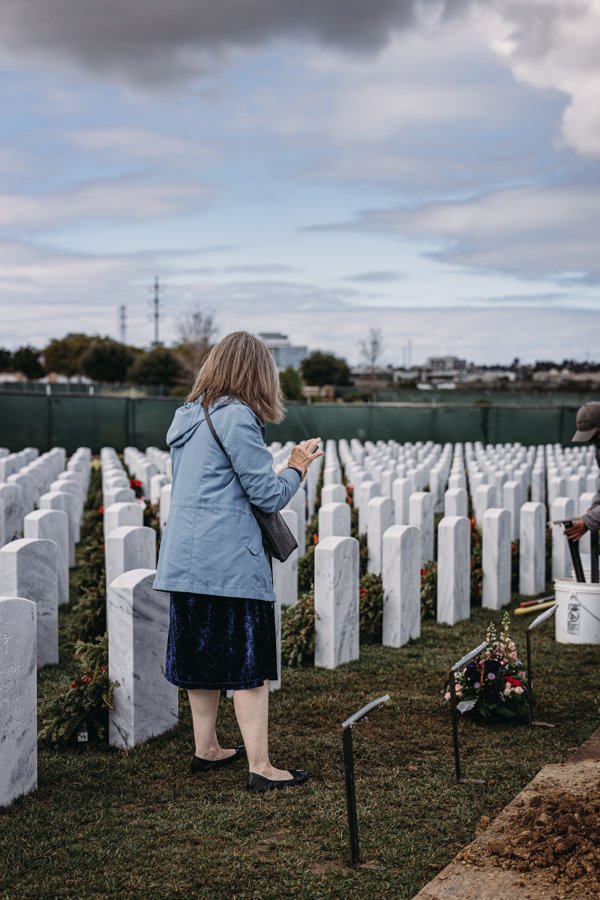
<point>303,454</point>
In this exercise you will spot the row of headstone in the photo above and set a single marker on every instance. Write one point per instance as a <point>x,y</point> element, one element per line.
<point>24,478</point>
<point>33,581</point>
<point>36,566</point>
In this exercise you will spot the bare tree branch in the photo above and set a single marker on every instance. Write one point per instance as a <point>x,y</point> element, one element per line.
<point>371,349</point>
<point>196,329</point>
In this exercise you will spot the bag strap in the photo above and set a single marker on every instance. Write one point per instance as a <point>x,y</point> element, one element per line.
<point>212,428</point>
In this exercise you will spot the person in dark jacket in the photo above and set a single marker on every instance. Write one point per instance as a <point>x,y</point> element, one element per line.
<point>212,561</point>
<point>588,431</point>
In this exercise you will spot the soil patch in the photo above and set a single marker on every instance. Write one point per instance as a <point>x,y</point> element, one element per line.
<point>558,832</point>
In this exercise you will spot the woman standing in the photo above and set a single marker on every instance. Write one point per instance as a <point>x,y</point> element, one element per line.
<point>212,562</point>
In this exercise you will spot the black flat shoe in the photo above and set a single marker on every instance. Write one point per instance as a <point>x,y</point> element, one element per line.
<point>258,783</point>
<point>205,765</point>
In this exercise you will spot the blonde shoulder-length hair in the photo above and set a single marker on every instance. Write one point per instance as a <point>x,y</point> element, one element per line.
<point>241,366</point>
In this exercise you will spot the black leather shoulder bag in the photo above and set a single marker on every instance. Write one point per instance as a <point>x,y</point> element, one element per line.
<point>278,540</point>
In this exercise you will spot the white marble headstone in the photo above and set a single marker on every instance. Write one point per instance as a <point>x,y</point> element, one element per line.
<point>401,576</point>
<point>366,491</point>
<point>380,517</point>
<point>285,574</point>
<point>496,558</point>
<point>583,505</point>
<point>53,525</point>
<point>118,494</point>
<point>297,504</point>
<point>65,502</point>
<point>420,514</point>
<point>14,510</point>
<point>563,508</point>
<point>455,502</point>
<point>485,498</point>
<point>334,520</point>
<point>28,569</point>
<point>145,703</point>
<point>333,493</point>
<point>119,514</point>
<point>129,547</point>
<point>18,698</point>
<point>532,550</point>
<point>402,488</point>
<point>513,498</point>
<point>454,570</point>
<point>336,602</point>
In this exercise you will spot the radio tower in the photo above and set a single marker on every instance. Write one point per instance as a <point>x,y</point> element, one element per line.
<point>156,303</point>
<point>123,324</point>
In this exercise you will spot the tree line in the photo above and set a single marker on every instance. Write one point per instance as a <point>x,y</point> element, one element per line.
<point>104,360</point>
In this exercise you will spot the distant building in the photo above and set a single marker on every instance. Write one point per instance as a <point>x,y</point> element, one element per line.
<point>286,356</point>
<point>445,365</point>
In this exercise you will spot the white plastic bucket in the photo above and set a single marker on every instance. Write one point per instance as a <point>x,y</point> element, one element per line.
<point>577,619</point>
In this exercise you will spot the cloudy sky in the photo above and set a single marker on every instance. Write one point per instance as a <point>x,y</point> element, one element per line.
<point>317,167</point>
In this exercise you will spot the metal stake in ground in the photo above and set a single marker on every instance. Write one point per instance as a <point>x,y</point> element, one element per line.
<point>595,549</point>
<point>454,713</point>
<point>349,772</point>
<point>543,617</point>
<point>575,557</point>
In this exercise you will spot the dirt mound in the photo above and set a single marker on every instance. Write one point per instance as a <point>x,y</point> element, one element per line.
<point>558,832</point>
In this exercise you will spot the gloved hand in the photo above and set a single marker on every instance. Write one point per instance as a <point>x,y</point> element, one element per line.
<point>577,530</point>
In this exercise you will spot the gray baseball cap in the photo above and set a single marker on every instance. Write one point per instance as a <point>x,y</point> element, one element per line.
<point>588,422</point>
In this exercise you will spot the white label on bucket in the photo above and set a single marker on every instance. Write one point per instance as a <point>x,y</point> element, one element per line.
<point>573,615</point>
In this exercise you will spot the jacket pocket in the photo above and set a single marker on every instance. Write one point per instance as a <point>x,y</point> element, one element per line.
<point>255,547</point>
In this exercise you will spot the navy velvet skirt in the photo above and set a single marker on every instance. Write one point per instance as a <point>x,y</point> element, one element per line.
<point>220,642</point>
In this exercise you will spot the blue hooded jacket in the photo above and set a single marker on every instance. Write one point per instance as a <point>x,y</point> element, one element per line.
<point>212,543</point>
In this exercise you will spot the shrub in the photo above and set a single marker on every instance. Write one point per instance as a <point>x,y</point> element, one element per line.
<point>298,632</point>
<point>371,609</point>
<point>429,590</point>
<point>87,700</point>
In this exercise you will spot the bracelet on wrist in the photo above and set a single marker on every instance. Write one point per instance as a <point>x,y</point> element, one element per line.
<point>296,470</point>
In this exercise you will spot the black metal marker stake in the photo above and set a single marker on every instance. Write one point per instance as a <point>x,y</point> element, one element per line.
<point>595,549</point>
<point>454,713</point>
<point>454,716</point>
<point>576,560</point>
<point>349,773</point>
<point>351,797</point>
<point>543,617</point>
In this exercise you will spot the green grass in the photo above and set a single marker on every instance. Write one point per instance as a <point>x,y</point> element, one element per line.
<point>130,824</point>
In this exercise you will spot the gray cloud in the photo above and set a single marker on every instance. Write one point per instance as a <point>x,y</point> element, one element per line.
<point>382,277</point>
<point>125,199</point>
<point>259,269</point>
<point>153,42</point>
<point>532,232</point>
<point>44,294</point>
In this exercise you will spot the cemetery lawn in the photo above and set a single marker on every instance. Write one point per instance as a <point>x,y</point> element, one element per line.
<point>134,824</point>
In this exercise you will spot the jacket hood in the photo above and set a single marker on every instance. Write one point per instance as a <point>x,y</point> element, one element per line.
<point>187,419</point>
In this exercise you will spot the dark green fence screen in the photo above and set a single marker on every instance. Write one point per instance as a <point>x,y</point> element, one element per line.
<point>98,421</point>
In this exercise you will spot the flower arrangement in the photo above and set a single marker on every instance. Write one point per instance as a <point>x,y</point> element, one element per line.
<point>137,487</point>
<point>494,684</point>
